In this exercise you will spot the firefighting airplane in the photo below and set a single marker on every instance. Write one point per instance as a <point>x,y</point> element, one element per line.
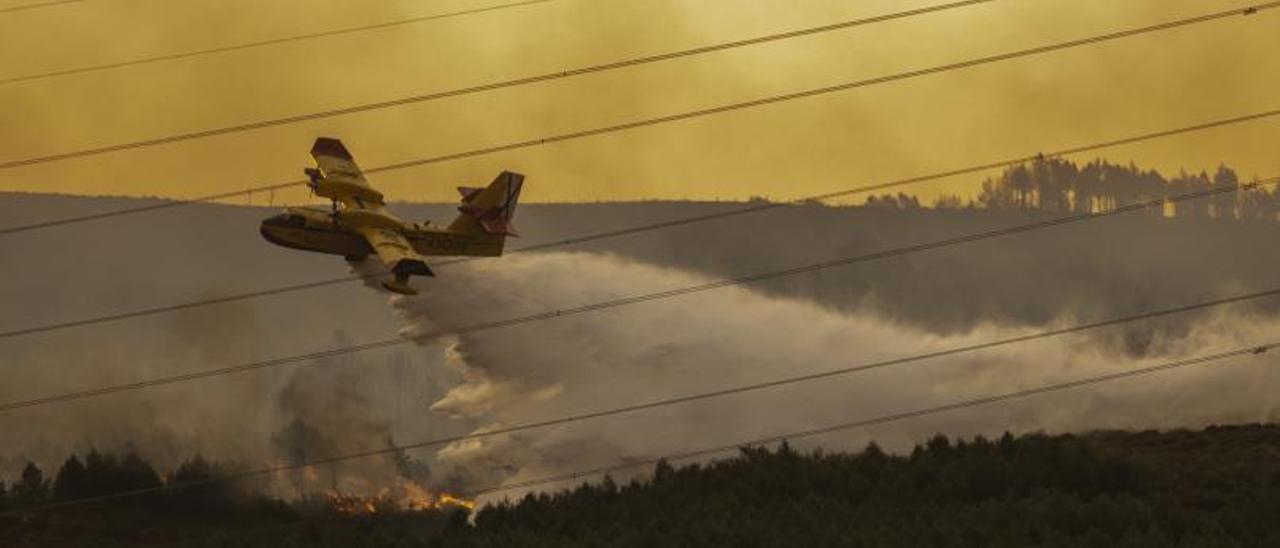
<point>358,224</point>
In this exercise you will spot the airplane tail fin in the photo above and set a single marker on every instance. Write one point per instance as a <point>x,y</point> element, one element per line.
<point>489,210</point>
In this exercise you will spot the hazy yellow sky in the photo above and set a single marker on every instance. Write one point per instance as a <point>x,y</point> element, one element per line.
<point>913,127</point>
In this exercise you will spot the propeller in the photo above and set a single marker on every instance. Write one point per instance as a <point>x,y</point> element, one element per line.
<point>314,177</point>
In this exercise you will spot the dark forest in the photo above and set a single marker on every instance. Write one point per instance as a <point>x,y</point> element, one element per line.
<point>1215,487</point>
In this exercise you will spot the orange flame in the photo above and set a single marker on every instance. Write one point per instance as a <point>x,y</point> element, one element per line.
<point>450,500</point>
<point>409,497</point>
<point>353,504</point>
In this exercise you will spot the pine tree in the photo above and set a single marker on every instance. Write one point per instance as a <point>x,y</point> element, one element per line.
<point>72,480</point>
<point>197,483</point>
<point>663,471</point>
<point>136,473</point>
<point>102,473</point>
<point>31,488</point>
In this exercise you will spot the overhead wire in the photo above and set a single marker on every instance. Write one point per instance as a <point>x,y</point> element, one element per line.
<point>1253,350</point>
<point>746,209</point>
<point>490,86</point>
<point>630,464</point>
<point>28,7</point>
<point>625,301</point>
<point>638,123</point>
<point>963,404</point>
<point>162,205</point>
<point>262,43</point>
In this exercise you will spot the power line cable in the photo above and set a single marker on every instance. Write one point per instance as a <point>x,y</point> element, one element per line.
<point>620,127</point>
<point>709,451</point>
<point>617,303</point>
<point>365,107</point>
<point>262,43</point>
<point>27,7</point>
<point>631,464</point>
<point>1251,350</point>
<point>963,404</point>
<point>750,208</point>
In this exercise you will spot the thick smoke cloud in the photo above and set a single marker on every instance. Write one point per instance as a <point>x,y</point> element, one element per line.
<point>735,336</point>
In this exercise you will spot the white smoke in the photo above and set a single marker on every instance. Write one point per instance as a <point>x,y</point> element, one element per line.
<point>733,336</point>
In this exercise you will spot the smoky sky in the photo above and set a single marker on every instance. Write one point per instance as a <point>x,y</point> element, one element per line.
<point>805,147</point>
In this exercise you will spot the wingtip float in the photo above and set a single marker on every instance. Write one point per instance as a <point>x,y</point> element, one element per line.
<point>358,223</point>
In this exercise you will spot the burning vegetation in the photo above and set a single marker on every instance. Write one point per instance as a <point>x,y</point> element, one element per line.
<point>390,486</point>
<point>405,496</point>
<point>1181,488</point>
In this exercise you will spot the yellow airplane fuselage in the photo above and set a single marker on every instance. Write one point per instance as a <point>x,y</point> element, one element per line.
<point>359,224</point>
<point>319,231</point>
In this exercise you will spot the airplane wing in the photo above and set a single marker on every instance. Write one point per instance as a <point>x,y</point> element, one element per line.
<point>395,252</point>
<point>339,177</point>
<point>334,160</point>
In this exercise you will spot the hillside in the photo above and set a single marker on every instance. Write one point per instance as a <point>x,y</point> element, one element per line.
<point>1214,487</point>
<point>1106,267</point>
